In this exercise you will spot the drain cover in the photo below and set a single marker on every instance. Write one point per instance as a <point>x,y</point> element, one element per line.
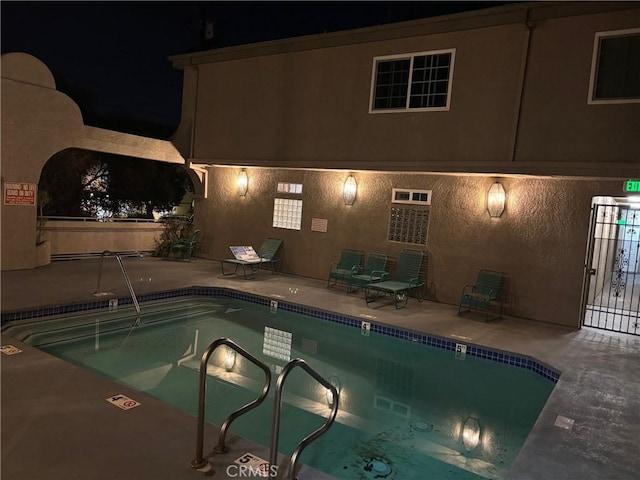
<point>378,467</point>
<point>422,427</point>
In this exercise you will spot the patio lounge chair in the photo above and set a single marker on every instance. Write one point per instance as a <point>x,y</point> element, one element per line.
<point>406,278</point>
<point>489,288</point>
<point>185,248</point>
<point>251,262</point>
<point>341,270</point>
<point>373,271</point>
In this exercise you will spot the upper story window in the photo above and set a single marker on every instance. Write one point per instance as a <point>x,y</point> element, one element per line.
<point>615,67</point>
<point>412,82</point>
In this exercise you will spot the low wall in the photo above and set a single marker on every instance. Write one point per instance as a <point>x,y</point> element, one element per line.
<point>74,236</point>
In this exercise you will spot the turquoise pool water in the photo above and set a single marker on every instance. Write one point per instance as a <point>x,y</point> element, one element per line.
<point>403,405</point>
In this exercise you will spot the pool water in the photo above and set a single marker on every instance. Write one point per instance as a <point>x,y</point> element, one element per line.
<point>403,405</point>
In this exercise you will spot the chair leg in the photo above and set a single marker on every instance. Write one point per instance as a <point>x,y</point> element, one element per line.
<point>401,299</point>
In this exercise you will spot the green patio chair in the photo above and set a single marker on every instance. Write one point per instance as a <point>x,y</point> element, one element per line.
<point>185,248</point>
<point>341,270</point>
<point>488,290</point>
<point>406,278</point>
<point>265,257</point>
<point>373,271</point>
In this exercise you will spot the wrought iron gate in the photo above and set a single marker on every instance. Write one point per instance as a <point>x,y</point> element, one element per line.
<point>611,294</point>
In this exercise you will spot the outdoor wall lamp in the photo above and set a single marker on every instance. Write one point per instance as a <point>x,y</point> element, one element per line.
<point>243,183</point>
<point>496,198</point>
<point>471,434</point>
<point>335,381</point>
<point>349,190</point>
<point>229,359</point>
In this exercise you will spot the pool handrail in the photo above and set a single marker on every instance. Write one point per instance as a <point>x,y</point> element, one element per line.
<point>277,404</point>
<point>124,273</point>
<point>199,462</point>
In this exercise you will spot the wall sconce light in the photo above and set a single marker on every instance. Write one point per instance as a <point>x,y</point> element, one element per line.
<point>243,183</point>
<point>349,190</point>
<point>229,359</point>
<point>471,434</point>
<point>496,198</point>
<point>335,381</point>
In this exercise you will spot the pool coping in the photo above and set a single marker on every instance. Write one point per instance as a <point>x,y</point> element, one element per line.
<point>461,349</point>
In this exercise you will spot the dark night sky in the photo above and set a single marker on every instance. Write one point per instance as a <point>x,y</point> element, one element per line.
<point>111,57</point>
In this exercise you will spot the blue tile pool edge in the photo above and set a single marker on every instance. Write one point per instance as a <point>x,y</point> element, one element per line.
<point>500,356</point>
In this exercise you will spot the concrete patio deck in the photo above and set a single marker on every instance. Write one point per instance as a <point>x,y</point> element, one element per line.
<point>57,425</point>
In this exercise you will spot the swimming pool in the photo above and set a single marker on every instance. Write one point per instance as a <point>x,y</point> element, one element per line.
<point>403,404</point>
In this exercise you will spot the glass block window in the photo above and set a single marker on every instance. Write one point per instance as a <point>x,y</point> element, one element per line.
<point>287,213</point>
<point>408,225</point>
<point>289,187</point>
<point>416,81</point>
<point>277,343</point>
<point>615,67</point>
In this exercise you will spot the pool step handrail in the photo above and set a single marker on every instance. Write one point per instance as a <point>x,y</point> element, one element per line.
<point>277,406</point>
<point>124,273</point>
<point>199,461</point>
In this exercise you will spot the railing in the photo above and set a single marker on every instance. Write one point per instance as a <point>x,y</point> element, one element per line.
<point>180,218</point>
<point>199,461</point>
<point>100,219</point>
<point>277,404</point>
<point>124,273</point>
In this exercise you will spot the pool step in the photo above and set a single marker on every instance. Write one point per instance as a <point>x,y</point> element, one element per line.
<point>90,316</point>
<point>79,326</point>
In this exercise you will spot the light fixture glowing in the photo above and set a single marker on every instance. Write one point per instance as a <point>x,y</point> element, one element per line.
<point>349,190</point>
<point>335,381</point>
<point>243,183</point>
<point>496,198</point>
<point>471,434</point>
<point>229,359</point>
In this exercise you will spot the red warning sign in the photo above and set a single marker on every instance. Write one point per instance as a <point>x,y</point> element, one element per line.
<point>20,194</point>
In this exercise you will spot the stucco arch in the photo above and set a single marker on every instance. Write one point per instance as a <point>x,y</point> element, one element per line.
<point>37,122</point>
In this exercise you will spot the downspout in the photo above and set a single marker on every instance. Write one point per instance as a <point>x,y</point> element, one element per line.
<point>202,173</point>
<point>195,115</point>
<point>523,75</point>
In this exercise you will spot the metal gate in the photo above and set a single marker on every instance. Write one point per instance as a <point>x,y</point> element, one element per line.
<point>611,293</point>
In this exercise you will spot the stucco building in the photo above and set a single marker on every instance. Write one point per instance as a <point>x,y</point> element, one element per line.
<point>426,115</point>
<point>533,96</point>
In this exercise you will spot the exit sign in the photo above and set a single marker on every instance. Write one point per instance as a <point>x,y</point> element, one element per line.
<point>632,185</point>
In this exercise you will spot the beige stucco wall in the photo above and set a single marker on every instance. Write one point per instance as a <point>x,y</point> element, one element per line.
<point>37,122</point>
<point>540,240</point>
<point>518,112</point>
<point>69,237</point>
<point>557,123</point>
<point>311,108</point>
<point>518,99</point>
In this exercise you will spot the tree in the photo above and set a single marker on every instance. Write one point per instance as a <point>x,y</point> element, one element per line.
<point>137,187</point>
<point>86,183</point>
<point>69,177</point>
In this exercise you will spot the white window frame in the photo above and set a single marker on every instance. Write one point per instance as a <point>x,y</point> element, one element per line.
<point>411,57</point>
<point>410,191</point>
<point>594,67</point>
<point>293,188</point>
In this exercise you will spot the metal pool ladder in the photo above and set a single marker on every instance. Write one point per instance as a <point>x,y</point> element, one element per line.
<point>277,404</point>
<point>126,278</point>
<point>199,461</point>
